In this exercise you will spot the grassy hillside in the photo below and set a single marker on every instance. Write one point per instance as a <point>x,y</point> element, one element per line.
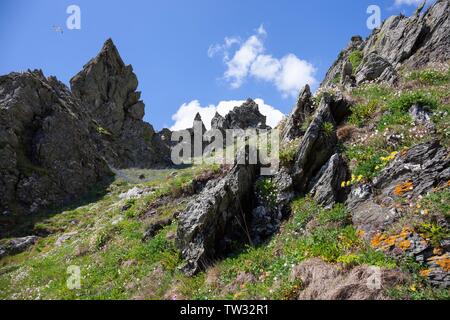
<point>104,235</point>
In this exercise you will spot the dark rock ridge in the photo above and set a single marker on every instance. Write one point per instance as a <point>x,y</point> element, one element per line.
<point>419,41</point>
<point>316,147</point>
<point>107,88</point>
<point>46,153</point>
<point>219,215</point>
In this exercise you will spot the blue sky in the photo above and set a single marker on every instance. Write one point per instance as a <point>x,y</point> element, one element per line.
<point>183,51</point>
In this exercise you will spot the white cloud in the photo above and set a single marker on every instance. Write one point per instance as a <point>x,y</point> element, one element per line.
<point>217,48</point>
<point>288,74</point>
<point>184,117</point>
<point>265,67</point>
<point>294,74</point>
<point>238,66</point>
<point>407,2</point>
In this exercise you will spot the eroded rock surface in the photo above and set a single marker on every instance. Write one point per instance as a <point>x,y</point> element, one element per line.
<point>419,41</point>
<point>107,89</point>
<point>217,216</point>
<point>46,154</point>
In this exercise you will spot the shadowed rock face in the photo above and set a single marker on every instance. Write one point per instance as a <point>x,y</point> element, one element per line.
<point>107,88</point>
<point>46,154</point>
<point>418,41</point>
<point>216,217</point>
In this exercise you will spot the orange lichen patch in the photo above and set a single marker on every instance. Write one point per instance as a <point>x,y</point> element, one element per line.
<point>404,245</point>
<point>443,262</point>
<point>425,273</point>
<point>448,183</point>
<point>400,240</point>
<point>390,241</point>
<point>377,240</point>
<point>406,232</point>
<point>403,188</point>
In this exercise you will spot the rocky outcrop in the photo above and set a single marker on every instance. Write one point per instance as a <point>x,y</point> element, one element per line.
<point>374,67</point>
<point>17,245</point>
<point>411,175</point>
<point>243,117</point>
<point>335,73</point>
<point>107,88</point>
<point>415,172</point>
<point>302,110</point>
<point>218,122</point>
<point>419,41</point>
<point>324,281</point>
<point>326,188</point>
<point>317,146</point>
<point>216,217</point>
<point>47,156</point>
<point>414,41</point>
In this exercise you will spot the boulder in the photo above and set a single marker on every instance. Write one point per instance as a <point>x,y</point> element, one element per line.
<point>422,116</point>
<point>411,174</point>
<point>17,245</point>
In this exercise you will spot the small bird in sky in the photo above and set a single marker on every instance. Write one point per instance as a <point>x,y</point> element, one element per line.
<point>58,29</point>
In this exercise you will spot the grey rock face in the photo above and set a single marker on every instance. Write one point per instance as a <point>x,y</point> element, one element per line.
<point>46,154</point>
<point>317,146</point>
<point>424,166</point>
<point>409,42</point>
<point>414,41</point>
<point>107,88</point>
<point>302,109</point>
<point>217,216</point>
<point>326,186</point>
<point>374,67</point>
